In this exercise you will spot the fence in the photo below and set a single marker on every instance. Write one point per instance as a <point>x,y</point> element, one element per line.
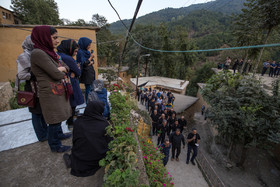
<point>209,171</point>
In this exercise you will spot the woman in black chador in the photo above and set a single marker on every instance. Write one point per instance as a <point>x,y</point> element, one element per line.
<point>90,142</point>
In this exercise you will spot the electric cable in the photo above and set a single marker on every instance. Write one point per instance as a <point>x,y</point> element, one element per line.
<point>195,51</point>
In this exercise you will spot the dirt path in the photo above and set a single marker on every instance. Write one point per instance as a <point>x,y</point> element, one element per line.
<point>184,175</point>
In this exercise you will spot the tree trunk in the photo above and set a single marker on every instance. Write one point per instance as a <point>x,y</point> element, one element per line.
<point>243,157</point>
<point>230,151</point>
<point>244,61</point>
<point>261,52</point>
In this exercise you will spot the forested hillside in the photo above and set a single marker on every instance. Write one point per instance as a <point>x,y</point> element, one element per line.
<point>226,7</point>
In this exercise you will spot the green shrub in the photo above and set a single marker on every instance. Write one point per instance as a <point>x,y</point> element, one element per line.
<point>121,159</point>
<point>157,173</point>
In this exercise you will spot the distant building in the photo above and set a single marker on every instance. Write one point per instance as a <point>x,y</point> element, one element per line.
<point>174,85</point>
<point>124,76</point>
<point>8,17</point>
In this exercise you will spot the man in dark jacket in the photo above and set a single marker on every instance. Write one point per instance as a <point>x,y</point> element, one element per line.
<point>152,105</point>
<point>163,130</point>
<point>176,138</point>
<point>155,120</point>
<point>176,126</point>
<point>171,122</point>
<point>90,142</point>
<point>165,149</point>
<point>182,122</point>
<point>193,140</point>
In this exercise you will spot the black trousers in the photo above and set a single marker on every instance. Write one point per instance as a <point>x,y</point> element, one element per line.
<point>155,126</point>
<point>174,148</point>
<point>160,139</point>
<point>271,72</point>
<point>264,70</point>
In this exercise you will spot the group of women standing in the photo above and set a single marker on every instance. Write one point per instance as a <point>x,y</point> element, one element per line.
<point>56,101</point>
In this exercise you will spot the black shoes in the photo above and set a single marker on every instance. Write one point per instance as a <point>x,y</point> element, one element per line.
<point>67,161</point>
<point>192,162</point>
<point>62,149</point>
<point>65,136</point>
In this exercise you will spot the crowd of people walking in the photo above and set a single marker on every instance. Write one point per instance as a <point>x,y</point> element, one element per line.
<point>166,126</point>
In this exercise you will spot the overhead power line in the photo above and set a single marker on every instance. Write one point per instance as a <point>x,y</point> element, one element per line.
<point>190,51</point>
<point>128,30</point>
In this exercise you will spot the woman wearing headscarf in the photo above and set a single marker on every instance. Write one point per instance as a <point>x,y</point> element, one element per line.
<point>85,58</point>
<point>99,92</point>
<point>50,73</point>
<point>90,142</point>
<point>24,73</point>
<point>67,50</point>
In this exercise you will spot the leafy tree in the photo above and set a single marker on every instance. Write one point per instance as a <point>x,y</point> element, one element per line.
<point>99,20</point>
<point>184,60</point>
<point>259,17</point>
<point>36,11</point>
<point>201,75</point>
<point>243,112</point>
<point>166,58</point>
<point>110,75</point>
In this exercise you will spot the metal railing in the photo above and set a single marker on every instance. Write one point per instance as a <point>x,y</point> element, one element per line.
<point>209,172</point>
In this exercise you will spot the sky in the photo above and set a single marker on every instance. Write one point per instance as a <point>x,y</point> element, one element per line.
<point>84,9</point>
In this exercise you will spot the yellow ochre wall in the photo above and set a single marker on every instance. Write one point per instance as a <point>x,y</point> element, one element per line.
<point>12,38</point>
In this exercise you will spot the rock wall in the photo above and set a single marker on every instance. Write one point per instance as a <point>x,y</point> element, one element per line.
<point>6,93</point>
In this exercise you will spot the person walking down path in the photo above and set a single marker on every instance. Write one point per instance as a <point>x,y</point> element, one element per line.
<point>24,73</point>
<point>277,69</point>
<point>165,149</point>
<point>183,123</point>
<point>176,138</point>
<point>50,73</point>
<point>235,66</point>
<point>202,109</point>
<point>193,140</point>
<point>240,65</point>
<point>272,69</point>
<point>163,130</point>
<point>266,64</point>
<point>155,122</point>
<point>85,59</point>
<point>227,63</point>
<point>67,50</point>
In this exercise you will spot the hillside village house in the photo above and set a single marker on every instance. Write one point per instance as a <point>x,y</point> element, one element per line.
<point>8,17</point>
<point>174,85</point>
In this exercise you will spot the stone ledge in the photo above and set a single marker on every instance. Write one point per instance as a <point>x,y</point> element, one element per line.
<point>6,93</point>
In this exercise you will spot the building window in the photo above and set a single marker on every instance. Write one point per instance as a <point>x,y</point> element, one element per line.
<point>10,17</point>
<point>16,21</point>
<point>4,15</point>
